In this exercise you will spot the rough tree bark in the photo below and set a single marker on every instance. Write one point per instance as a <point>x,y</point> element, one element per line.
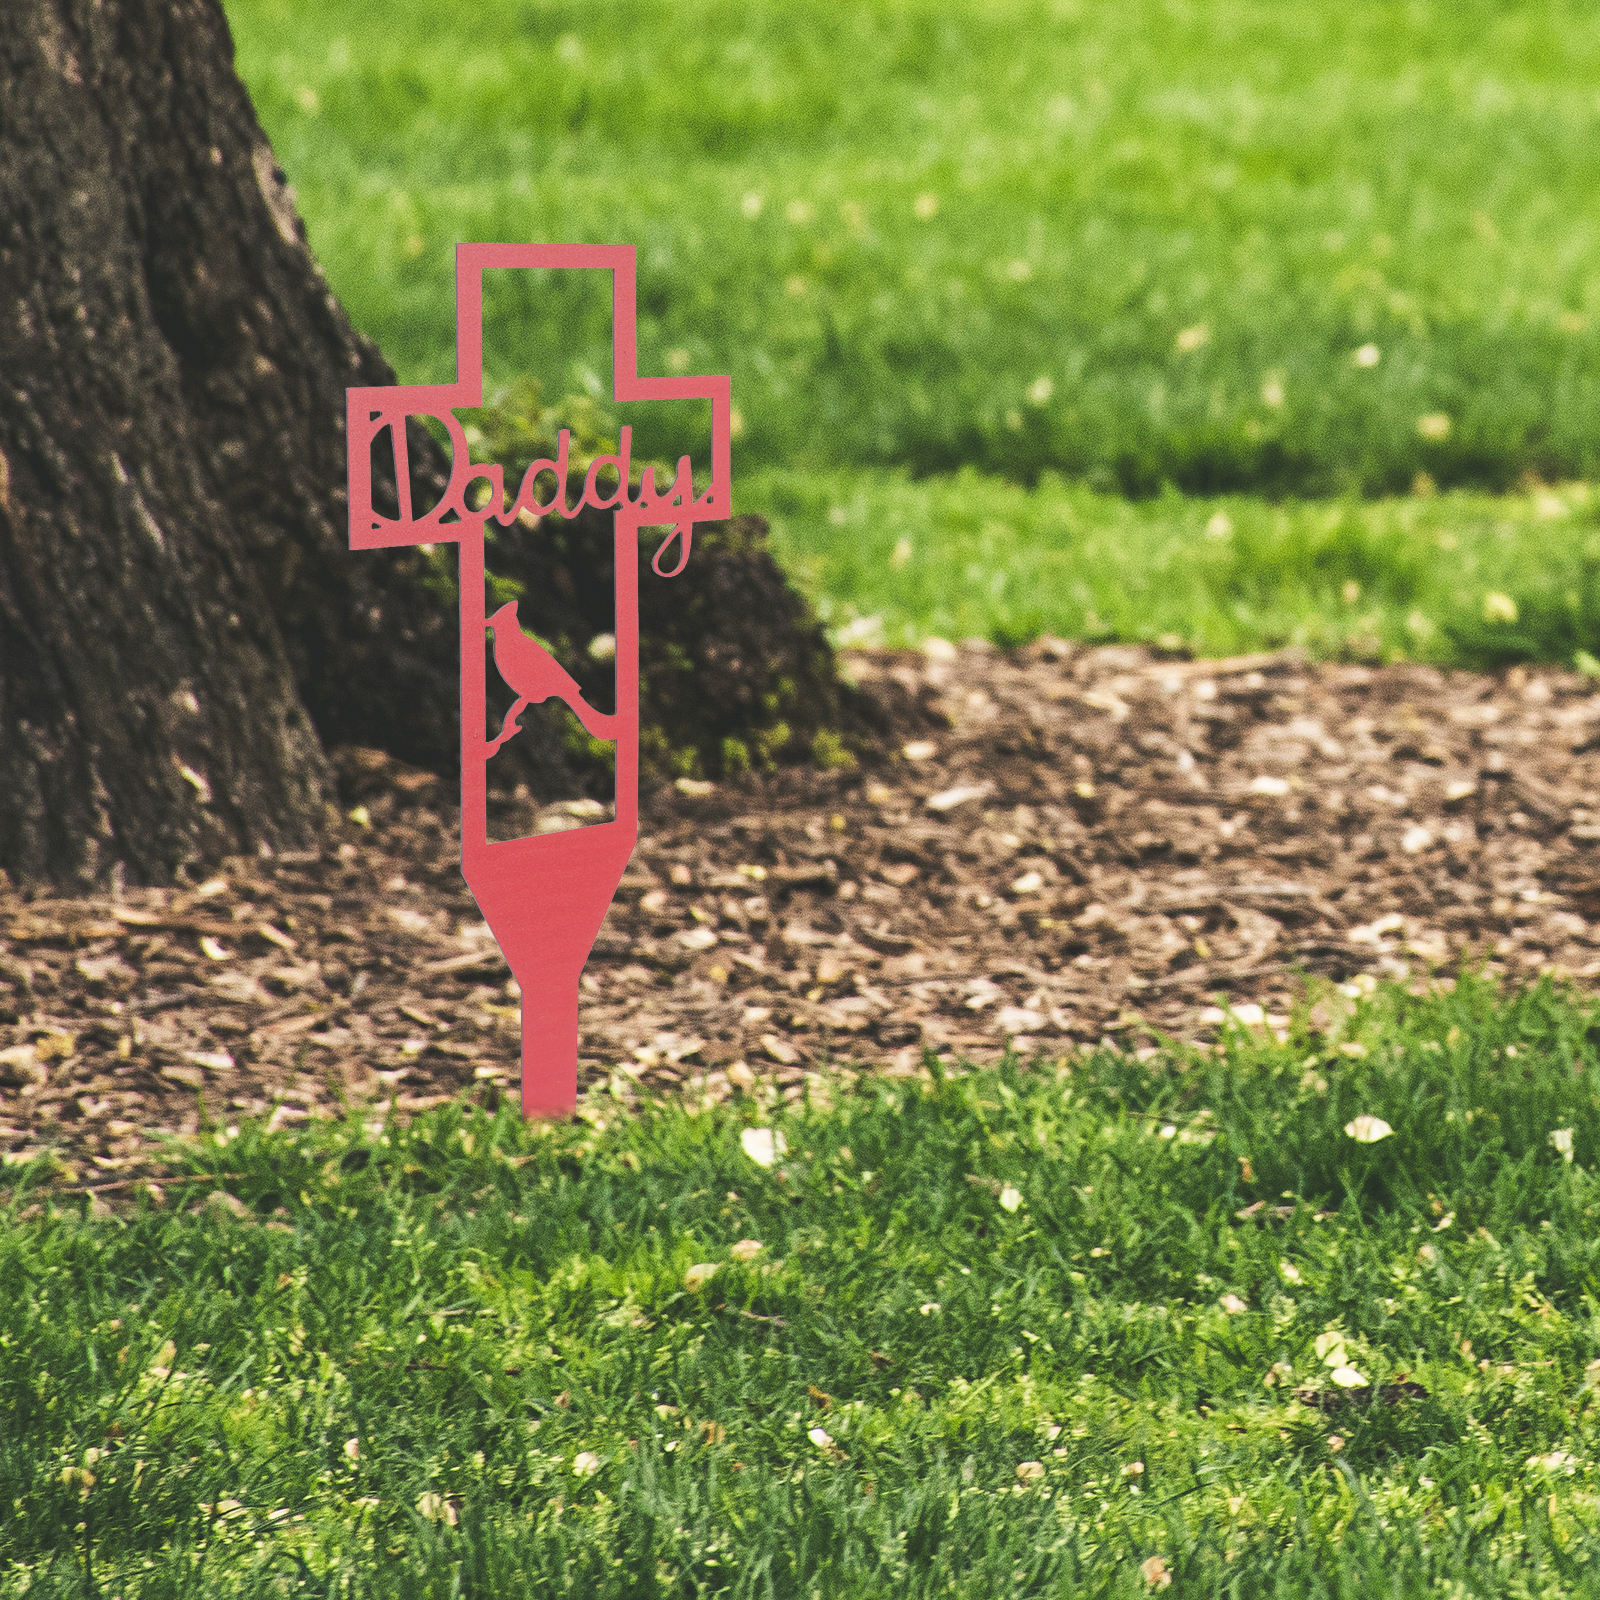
<point>180,615</point>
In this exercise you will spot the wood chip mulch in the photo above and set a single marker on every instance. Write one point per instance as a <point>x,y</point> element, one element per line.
<point>1094,843</point>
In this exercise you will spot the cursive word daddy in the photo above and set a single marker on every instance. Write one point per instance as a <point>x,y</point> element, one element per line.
<point>676,505</point>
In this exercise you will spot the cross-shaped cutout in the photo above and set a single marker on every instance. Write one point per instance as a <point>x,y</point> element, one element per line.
<point>543,897</point>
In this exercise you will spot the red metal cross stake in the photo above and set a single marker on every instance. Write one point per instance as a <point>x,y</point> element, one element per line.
<point>543,897</point>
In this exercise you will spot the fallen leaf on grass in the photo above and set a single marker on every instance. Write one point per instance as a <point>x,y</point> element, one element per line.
<point>1330,1348</point>
<point>1368,1130</point>
<point>436,1508</point>
<point>763,1145</point>
<point>1153,1569</point>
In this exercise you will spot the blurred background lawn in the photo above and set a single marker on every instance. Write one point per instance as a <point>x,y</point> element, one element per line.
<point>1214,323</point>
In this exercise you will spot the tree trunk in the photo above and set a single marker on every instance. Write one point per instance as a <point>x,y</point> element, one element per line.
<point>183,626</point>
<point>180,613</point>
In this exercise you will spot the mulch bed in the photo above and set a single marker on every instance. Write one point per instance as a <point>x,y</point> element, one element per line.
<point>1093,843</point>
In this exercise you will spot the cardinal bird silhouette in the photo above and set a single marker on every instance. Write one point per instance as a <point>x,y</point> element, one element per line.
<point>535,674</point>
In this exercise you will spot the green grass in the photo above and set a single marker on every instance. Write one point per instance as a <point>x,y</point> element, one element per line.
<point>474,1304</point>
<point>1458,579</point>
<point>1288,183</point>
